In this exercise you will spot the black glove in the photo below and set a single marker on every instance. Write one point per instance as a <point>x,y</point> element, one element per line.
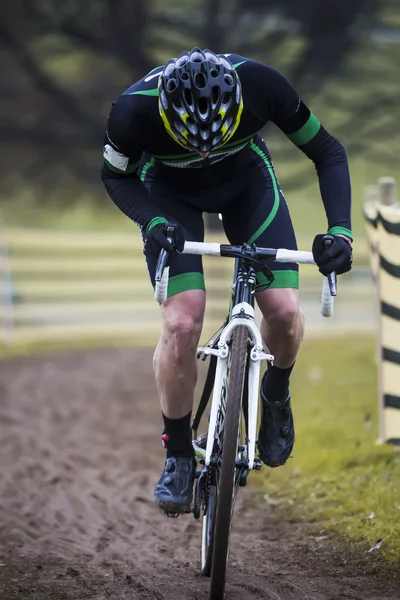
<point>338,257</point>
<point>156,239</point>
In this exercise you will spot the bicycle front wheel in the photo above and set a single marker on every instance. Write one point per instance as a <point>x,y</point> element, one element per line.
<point>207,539</point>
<point>226,486</point>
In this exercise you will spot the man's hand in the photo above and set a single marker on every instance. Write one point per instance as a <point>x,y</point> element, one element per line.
<point>338,257</point>
<point>156,239</point>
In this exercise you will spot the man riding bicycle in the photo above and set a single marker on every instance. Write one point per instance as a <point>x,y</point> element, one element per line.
<point>185,140</point>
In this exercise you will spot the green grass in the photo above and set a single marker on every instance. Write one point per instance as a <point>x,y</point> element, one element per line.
<point>338,475</point>
<point>43,347</point>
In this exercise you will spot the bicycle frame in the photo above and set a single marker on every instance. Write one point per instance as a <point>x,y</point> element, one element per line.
<point>225,457</point>
<point>242,313</point>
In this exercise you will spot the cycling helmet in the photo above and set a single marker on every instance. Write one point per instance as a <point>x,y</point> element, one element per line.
<point>200,99</point>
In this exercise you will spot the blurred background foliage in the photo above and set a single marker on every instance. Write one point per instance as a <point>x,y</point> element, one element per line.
<point>64,63</point>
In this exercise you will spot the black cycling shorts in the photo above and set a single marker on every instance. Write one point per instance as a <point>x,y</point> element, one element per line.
<point>252,205</point>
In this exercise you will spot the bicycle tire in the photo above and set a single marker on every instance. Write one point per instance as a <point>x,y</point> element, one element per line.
<point>208,527</point>
<point>227,471</point>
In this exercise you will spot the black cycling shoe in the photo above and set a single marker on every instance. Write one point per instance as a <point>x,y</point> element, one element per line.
<point>276,433</point>
<point>174,491</point>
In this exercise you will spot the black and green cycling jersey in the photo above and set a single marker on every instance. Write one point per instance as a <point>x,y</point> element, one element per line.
<point>138,150</point>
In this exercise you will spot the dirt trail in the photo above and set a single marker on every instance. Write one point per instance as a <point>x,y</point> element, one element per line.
<point>79,457</point>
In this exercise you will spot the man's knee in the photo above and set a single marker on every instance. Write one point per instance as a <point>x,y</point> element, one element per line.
<point>280,307</point>
<point>182,321</point>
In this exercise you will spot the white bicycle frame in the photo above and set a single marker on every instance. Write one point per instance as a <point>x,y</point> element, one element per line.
<point>223,352</point>
<point>242,314</point>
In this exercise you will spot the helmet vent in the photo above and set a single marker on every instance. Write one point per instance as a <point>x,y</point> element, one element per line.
<point>212,58</point>
<point>229,79</point>
<point>164,100</point>
<point>184,76</point>
<point>169,69</point>
<point>238,91</point>
<point>203,106</point>
<point>182,60</point>
<point>214,95</point>
<point>193,141</point>
<point>188,97</point>
<point>171,84</point>
<point>179,126</point>
<point>216,125</point>
<point>217,139</point>
<point>177,104</point>
<point>214,73</point>
<point>196,57</point>
<point>200,81</point>
<point>228,122</point>
<point>192,126</point>
<point>204,132</point>
<point>226,63</point>
<point>226,98</point>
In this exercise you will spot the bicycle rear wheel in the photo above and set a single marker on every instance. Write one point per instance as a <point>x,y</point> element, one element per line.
<point>227,472</point>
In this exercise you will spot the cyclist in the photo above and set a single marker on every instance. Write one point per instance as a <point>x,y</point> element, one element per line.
<point>185,140</point>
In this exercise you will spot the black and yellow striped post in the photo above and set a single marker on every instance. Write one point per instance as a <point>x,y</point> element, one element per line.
<point>371,204</point>
<point>382,216</point>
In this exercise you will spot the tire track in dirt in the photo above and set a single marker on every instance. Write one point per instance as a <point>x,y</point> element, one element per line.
<point>79,458</point>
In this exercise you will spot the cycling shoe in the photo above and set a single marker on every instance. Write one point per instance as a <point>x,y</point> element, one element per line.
<point>174,491</point>
<point>276,433</point>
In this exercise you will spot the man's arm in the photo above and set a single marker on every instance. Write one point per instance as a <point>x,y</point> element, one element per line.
<point>279,103</point>
<point>304,129</point>
<point>122,153</point>
<point>329,157</point>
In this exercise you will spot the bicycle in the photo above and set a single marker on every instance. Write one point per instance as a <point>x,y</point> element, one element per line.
<point>227,453</point>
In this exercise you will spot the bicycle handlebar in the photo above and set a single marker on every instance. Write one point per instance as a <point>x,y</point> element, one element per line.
<point>277,255</point>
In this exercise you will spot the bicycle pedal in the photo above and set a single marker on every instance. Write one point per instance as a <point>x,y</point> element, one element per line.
<point>257,464</point>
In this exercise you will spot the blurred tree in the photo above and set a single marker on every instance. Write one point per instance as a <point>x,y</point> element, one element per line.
<point>327,29</point>
<point>64,63</point>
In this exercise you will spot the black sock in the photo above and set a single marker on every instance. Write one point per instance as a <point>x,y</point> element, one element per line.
<point>275,383</point>
<point>179,436</point>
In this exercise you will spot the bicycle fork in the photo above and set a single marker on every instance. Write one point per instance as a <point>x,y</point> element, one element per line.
<point>242,314</point>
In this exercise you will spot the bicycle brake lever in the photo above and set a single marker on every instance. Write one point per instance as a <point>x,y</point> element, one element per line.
<point>163,257</point>
<point>328,240</point>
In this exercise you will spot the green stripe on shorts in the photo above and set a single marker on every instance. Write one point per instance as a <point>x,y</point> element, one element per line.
<point>184,282</point>
<point>275,206</point>
<point>282,279</point>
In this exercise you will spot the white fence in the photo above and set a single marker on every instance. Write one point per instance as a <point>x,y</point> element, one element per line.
<point>64,287</point>
<point>58,285</point>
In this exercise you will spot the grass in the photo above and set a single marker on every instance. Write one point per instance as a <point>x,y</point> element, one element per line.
<point>46,346</point>
<point>339,476</point>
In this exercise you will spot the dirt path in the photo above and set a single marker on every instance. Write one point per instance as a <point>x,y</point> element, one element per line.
<point>79,456</point>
